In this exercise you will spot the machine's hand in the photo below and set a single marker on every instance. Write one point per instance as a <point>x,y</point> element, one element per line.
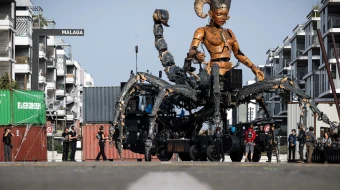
<point>258,73</point>
<point>200,57</point>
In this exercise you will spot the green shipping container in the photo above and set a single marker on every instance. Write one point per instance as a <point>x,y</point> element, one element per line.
<point>29,107</point>
<point>5,107</point>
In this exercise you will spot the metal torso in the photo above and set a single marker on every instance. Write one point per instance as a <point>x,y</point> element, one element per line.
<point>214,40</point>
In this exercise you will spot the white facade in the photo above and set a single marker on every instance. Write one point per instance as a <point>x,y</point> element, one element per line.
<point>7,38</point>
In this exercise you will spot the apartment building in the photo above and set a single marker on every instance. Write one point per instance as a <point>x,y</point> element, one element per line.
<point>7,33</point>
<point>85,80</point>
<point>300,57</point>
<point>60,76</point>
<point>330,25</point>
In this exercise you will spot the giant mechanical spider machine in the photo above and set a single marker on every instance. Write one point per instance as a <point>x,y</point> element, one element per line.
<point>206,95</point>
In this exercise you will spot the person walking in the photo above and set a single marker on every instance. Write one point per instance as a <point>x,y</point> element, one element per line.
<point>310,140</point>
<point>102,138</point>
<point>6,139</point>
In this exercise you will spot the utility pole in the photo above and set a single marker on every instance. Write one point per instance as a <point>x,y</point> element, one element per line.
<point>136,50</point>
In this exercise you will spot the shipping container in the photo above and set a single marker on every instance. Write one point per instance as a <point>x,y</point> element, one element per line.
<point>99,103</point>
<point>5,107</point>
<point>29,107</point>
<point>30,149</point>
<point>21,107</point>
<point>91,145</point>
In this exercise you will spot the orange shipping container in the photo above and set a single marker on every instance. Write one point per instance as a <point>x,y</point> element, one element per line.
<point>32,148</point>
<point>91,145</point>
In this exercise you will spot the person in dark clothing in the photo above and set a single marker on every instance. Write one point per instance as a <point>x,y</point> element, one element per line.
<point>66,144</point>
<point>270,143</point>
<point>261,138</point>
<point>6,139</point>
<point>114,133</point>
<point>73,142</point>
<point>327,141</point>
<point>310,140</point>
<point>102,138</point>
<point>292,145</point>
<point>302,141</point>
<point>219,143</point>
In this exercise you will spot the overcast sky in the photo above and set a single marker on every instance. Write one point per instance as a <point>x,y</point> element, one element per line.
<point>114,27</point>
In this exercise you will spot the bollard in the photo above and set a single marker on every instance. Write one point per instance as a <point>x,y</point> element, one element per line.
<point>278,148</point>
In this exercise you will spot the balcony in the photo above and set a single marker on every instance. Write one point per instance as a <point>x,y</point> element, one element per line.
<point>60,112</point>
<point>6,21</point>
<point>51,84</point>
<point>42,50</point>
<point>331,54</point>
<point>61,72</point>
<point>22,59</point>
<point>22,68</point>
<point>6,54</point>
<point>334,23</point>
<point>42,78</point>
<point>60,92</point>
<point>50,64</point>
<point>70,78</point>
<point>69,62</point>
<point>69,115</point>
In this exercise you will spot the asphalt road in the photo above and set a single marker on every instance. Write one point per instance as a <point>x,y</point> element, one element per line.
<point>167,175</point>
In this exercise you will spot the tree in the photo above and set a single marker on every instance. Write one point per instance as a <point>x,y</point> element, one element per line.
<point>42,20</point>
<point>5,83</point>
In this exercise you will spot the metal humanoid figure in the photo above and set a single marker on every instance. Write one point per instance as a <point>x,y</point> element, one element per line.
<point>198,91</point>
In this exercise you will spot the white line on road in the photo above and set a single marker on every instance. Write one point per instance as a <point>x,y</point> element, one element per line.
<point>168,181</point>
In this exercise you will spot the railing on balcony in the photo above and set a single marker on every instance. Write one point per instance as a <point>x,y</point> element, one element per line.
<point>299,52</point>
<point>331,54</point>
<point>22,59</point>
<point>315,40</point>
<point>286,62</point>
<point>334,22</point>
<point>6,17</point>
<point>50,80</point>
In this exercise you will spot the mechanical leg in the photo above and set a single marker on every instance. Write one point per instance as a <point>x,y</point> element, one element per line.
<point>281,82</point>
<point>217,94</point>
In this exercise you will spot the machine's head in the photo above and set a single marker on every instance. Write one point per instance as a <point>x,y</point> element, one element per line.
<point>222,6</point>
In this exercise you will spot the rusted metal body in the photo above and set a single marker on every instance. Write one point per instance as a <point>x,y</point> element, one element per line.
<point>30,149</point>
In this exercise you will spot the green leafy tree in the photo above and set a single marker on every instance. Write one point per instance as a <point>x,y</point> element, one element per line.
<point>5,83</point>
<point>43,21</point>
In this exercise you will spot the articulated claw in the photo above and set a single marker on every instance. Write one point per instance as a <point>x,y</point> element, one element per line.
<point>285,83</point>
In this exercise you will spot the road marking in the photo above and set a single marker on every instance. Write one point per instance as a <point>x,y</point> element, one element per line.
<point>168,181</point>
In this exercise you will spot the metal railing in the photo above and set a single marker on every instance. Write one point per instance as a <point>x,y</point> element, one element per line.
<point>286,62</point>
<point>334,22</point>
<point>315,40</point>
<point>22,59</point>
<point>331,53</point>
